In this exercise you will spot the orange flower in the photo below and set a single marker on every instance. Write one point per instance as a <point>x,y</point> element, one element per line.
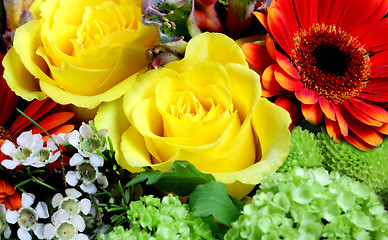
<point>9,197</point>
<point>333,57</point>
<point>47,113</point>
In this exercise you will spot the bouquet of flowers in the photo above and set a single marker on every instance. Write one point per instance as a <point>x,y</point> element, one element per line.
<point>194,119</point>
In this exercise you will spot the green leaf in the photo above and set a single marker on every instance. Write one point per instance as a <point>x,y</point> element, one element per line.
<point>211,199</point>
<point>151,175</point>
<point>239,204</point>
<point>181,179</point>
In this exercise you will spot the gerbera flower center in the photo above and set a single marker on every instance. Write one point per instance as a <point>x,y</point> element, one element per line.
<point>331,62</point>
<point>4,134</point>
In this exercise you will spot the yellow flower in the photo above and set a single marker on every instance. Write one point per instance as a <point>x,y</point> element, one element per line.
<point>205,109</point>
<point>79,52</point>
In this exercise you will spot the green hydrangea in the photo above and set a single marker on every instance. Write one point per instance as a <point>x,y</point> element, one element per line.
<point>370,167</point>
<point>311,204</point>
<point>304,152</point>
<point>152,218</point>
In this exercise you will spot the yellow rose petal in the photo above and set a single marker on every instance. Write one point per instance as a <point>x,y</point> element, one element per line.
<point>144,87</point>
<point>19,79</point>
<point>210,47</point>
<point>245,88</point>
<point>135,151</point>
<point>63,97</point>
<point>104,119</point>
<point>26,43</point>
<point>270,123</point>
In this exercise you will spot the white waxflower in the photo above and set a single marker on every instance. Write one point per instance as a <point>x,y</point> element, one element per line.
<point>26,152</point>
<point>88,142</point>
<point>70,203</point>
<point>65,228</point>
<point>47,154</point>
<point>4,227</point>
<point>60,139</point>
<point>27,217</point>
<point>88,174</point>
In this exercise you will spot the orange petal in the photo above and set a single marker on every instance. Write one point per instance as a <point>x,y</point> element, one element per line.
<point>277,26</point>
<point>312,113</point>
<point>262,18</point>
<point>365,132</point>
<point>327,108</point>
<point>370,109</point>
<point>333,129</point>
<point>286,81</point>
<point>358,142</point>
<point>9,189</point>
<point>15,201</point>
<point>373,97</point>
<point>266,94</point>
<point>343,125</point>
<point>286,65</point>
<point>292,106</point>
<point>306,96</point>
<point>257,55</point>
<point>52,121</point>
<point>361,116</point>
<point>3,195</point>
<point>270,45</point>
<point>269,82</point>
<point>7,205</point>
<point>383,129</point>
<point>21,122</point>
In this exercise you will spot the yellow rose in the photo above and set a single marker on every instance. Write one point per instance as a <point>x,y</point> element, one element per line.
<point>205,109</point>
<point>79,52</point>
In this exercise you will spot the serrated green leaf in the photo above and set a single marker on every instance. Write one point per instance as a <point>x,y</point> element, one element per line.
<point>181,179</point>
<point>211,199</point>
<point>151,175</point>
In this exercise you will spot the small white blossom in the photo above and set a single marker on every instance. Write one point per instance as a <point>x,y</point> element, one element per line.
<point>70,203</point>
<point>27,217</point>
<point>26,152</point>
<point>59,138</point>
<point>89,143</point>
<point>65,227</point>
<point>88,173</point>
<point>4,227</point>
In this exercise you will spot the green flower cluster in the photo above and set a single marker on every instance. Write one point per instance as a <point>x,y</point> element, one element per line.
<point>370,167</point>
<point>311,204</point>
<point>152,218</point>
<point>305,151</point>
<point>310,150</point>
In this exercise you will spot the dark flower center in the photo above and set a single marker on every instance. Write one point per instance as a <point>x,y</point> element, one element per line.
<point>330,62</point>
<point>4,134</point>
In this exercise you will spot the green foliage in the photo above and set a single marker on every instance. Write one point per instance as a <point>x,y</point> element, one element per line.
<point>178,16</point>
<point>152,218</point>
<point>304,152</point>
<point>370,167</point>
<point>181,179</point>
<point>211,199</point>
<point>311,204</point>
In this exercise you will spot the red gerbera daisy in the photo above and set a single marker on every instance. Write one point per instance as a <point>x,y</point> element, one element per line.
<point>48,114</point>
<point>332,55</point>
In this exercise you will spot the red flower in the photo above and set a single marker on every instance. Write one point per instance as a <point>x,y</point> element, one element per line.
<point>9,197</point>
<point>332,55</point>
<point>48,114</point>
